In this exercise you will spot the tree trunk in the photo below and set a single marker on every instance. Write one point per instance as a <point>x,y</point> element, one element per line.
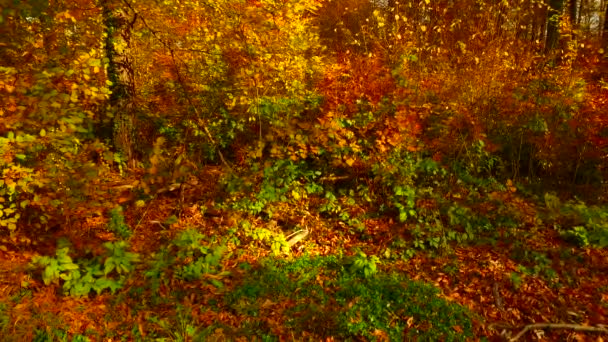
<point>555,10</point>
<point>580,12</point>
<point>120,72</point>
<point>572,9</point>
<point>539,23</point>
<point>605,30</point>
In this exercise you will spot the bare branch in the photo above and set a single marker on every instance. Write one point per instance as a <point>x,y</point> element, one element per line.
<point>576,327</point>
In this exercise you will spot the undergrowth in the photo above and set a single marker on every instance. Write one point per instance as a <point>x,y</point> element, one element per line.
<point>330,297</point>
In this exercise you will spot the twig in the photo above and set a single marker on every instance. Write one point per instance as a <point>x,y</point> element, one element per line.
<point>297,237</point>
<point>576,327</point>
<point>159,223</point>
<point>333,178</point>
<point>497,297</point>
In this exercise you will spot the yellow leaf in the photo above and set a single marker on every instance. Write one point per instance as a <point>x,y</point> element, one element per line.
<point>42,132</point>
<point>349,161</point>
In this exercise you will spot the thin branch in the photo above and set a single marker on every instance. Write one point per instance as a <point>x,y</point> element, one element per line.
<point>576,327</point>
<point>497,297</point>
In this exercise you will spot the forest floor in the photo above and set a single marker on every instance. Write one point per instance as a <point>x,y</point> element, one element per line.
<point>503,284</point>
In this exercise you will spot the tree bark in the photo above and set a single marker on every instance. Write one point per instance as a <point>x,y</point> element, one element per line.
<point>555,10</point>
<point>572,9</point>
<point>539,23</point>
<point>605,29</point>
<point>118,28</point>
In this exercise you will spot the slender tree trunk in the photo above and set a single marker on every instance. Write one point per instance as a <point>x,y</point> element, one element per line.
<point>605,29</point>
<point>120,72</point>
<point>580,12</point>
<point>572,12</point>
<point>555,10</point>
<point>539,23</point>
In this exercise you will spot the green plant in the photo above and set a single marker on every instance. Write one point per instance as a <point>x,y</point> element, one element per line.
<point>56,268</point>
<point>579,235</point>
<point>331,296</point>
<point>363,265</point>
<point>86,275</point>
<point>399,309</point>
<point>117,223</point>
<point>535,263</point>
<point>586,225</point>
<point>594,228</point>
<point>118,258</point>
<point>277,242</point>
<point>198,260</point>
<point>397,178</point>
<point>159,264</point>
<point>516,280</point>
<point>404,199</point>
<point>282,181</point>
<point>5,318</point>
<point>57,335</point>
<point>188,257</point>
<point>180,328</point>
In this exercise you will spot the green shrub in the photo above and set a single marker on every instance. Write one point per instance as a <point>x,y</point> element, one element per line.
<point>189,258</point>
<point>586,226</point>
<point>83,276</point>
<point>350,298</point>
<point>117,223</point>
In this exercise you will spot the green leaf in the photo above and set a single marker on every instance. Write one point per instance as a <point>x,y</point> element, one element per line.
<point>171,220</point>
<point>102,284</point>
<point>80,289</point>
<point>51,272</point>
<point>216,283</point>
<point>109,266</point>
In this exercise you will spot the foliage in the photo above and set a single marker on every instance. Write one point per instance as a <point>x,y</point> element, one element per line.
<point>205,260</point>
<point>417,132</point>
<point>187,258</point>
<point>117,223</point>
<point>365,303</point>
<point>181,328</point>
<point>47,138</point>
<point>282,181</point>
<point>86,275</point>
<point>533,264</point>
<point>277,242</point>
<point>584,225</point>
<point>58,335</point>
<point>363,265</point>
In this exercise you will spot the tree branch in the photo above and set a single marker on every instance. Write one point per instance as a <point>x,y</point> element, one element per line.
<point>576,327</point>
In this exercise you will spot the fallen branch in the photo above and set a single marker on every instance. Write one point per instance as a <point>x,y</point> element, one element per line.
<point>297,237</point>
<point>333,178</point>
<point>497,297</point>
<point>576,327</point>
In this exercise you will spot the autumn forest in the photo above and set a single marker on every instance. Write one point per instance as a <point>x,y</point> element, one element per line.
<point>303,170</point>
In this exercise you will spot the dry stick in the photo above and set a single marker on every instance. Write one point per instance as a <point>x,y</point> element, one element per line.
<point>576,327</point>
<point>497,297</point>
